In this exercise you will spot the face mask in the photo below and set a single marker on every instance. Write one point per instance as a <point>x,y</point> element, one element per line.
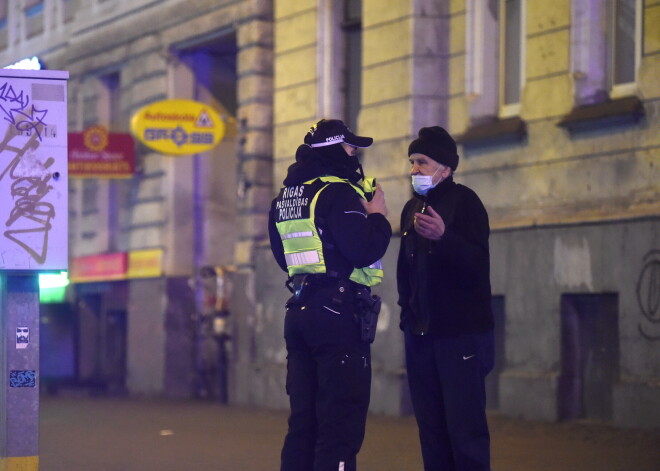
<point>423,183</point>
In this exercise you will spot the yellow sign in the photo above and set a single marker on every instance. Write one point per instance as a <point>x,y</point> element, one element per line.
<point>145,263</point>
<point>19,463</point>
<point>178,127</point>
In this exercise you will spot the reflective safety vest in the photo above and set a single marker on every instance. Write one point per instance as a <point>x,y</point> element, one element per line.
<point>303,249</point>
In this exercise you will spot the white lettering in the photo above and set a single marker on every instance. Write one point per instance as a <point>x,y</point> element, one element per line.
<point>292,191</point>
<point>290,213</point>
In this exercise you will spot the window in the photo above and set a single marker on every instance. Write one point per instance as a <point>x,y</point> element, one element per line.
<point>109,112</point>
<point>482,53</point>
<point>33,7</point>
<point>34,17</point>
<point>624,46</point>
<point>4,35</point>
<point>3,14</point>
<point>588,54</point>
<point>69,8</point>
<point>110,101</point>
<point>89,196</point>
<point>101,198</point>
<point>340,43</point>
<point>605,62</point>
<point>352,26</point>
<point>512,53</point>
<point>494,52</point>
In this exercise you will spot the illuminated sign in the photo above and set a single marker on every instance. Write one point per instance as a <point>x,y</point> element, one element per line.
<point>117,266</point>
<point>52,287</point>
<point>101,267</point>
<point>97,153</point>
<point>178,127</point>
<point>145,263</point>
<point>53,280</point>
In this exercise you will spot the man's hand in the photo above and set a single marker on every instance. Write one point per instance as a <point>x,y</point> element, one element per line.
<point>377,203</point>
<point>430,226</point>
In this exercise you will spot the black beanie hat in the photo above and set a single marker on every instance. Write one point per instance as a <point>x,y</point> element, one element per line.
<point>437,144</point>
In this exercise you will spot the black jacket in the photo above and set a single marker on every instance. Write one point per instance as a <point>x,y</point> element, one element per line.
<point>444,285</point>
<point>351,238</point>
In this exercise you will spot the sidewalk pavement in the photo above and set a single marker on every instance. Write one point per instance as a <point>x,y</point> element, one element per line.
<point>122,434</point>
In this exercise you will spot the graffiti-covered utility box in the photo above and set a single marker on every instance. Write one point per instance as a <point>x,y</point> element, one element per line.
<point>33,170</point>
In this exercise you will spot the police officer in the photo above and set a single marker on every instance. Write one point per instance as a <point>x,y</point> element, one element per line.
<point>328,231</point>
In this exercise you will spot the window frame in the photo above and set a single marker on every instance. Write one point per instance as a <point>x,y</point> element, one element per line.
<point>332,60</point>
<point>474,48</point>
<point>351,27</point>
<point>330,52</point>
<point>482,55</point>
<point>621,90</point>
<point>507,110</point>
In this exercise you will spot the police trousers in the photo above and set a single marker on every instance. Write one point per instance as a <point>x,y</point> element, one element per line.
<point>328,382</point>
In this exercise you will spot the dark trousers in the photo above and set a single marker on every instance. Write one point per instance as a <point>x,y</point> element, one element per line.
<point>328,382</point>
<point>447,388</point>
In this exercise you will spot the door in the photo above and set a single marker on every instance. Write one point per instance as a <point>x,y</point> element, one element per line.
<point>589,356</point>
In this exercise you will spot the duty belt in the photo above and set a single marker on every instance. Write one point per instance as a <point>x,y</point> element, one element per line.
<point>301,284</point>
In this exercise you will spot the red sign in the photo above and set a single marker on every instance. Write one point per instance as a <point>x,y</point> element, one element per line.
<point>96,153</point>
<point>102,267</point>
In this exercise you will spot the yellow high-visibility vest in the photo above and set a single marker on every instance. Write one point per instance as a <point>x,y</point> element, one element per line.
<point>303,249</point>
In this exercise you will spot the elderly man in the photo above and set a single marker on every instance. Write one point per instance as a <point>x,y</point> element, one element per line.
<point>443,277</point>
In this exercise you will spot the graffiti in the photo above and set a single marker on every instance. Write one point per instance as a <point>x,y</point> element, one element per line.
<point>648,295</point>
<point>29,186</point>
<point>18,112</point>
<point>22,378</point>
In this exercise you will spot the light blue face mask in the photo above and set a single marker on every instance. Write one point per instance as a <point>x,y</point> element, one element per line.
<point>423,183</point>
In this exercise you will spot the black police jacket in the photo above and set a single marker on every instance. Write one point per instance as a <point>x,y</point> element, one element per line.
<point>350,237</point>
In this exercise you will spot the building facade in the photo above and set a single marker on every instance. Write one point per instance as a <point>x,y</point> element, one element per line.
<point>149,335</point>
<point>555,108</point>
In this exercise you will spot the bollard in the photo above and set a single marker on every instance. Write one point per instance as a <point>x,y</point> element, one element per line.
<point>19,350</point>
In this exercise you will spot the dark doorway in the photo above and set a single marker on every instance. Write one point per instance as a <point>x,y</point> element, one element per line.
<point>89,314</point>
<point>493,378</point>
<point>589,356</point>
<point>102,338</point>
<point>113,354</point>
<point>57,345</point>
<point>214,64</point>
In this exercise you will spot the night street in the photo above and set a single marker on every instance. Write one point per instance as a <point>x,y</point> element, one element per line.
<point>82,434</point>
<point>215,214</point>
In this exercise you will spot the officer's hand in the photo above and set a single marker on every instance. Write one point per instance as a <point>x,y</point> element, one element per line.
<point>377,203</point>
<point>430,226</point>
